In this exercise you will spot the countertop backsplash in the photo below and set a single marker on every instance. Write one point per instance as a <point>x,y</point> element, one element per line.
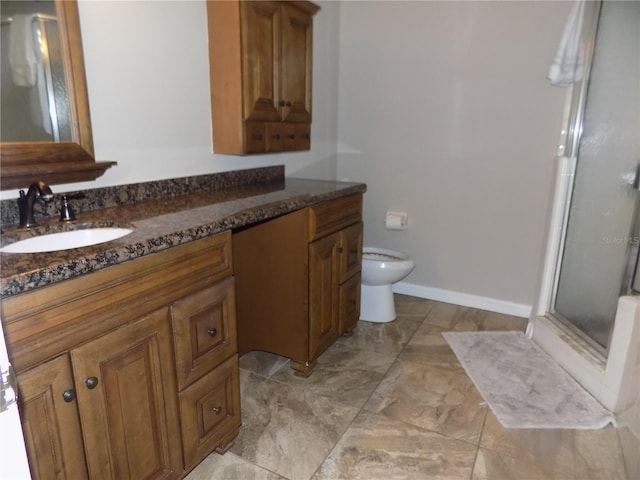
<point>124,195</point>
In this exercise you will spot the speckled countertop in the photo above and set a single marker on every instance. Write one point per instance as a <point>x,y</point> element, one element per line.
<point>162,214</point>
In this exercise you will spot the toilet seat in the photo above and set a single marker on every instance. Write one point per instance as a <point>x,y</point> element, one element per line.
<point>381,256</point>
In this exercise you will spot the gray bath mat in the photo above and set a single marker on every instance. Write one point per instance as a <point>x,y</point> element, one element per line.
<point>523,386</point>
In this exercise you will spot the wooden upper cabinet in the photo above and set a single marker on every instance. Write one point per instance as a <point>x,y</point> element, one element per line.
<point>260,59</point>
<point>295,67</point>
<point>259,27</point>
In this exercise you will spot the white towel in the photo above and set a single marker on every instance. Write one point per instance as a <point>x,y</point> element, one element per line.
<point>568,64</point>
<point>24,52</point>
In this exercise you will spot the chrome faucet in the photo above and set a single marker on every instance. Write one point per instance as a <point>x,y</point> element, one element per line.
<point>26,202</point>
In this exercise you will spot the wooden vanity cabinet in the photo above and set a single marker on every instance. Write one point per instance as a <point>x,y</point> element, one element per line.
<point>260,59</point>
<point>205,338</point>
<point>127,401</point>
<point>50,421</point>
<point>106,364</point>
<point>298,281</point>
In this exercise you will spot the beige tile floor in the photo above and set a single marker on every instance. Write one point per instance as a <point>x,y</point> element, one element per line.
<point>392,402</point>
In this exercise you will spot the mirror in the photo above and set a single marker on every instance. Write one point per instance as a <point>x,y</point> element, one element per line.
<point>46,127</point>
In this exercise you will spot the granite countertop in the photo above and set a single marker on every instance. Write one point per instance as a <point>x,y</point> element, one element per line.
<point>162,220</point>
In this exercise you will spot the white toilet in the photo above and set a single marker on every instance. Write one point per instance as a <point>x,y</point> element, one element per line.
<point>381,268</point>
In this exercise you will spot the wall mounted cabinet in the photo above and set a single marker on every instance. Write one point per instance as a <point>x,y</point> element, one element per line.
<point>260,58</point>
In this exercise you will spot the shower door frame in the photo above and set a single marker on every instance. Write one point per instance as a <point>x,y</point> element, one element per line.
<point>606,377</point>
<point>568,162</point>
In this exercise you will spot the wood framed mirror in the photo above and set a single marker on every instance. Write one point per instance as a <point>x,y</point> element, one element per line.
<point>67,155</point>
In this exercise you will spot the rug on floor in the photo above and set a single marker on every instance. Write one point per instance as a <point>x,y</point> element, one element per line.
<point>522,385</point>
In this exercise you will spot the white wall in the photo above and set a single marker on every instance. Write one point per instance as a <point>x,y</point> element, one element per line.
<point>147,69</point>
<point>445,112</point>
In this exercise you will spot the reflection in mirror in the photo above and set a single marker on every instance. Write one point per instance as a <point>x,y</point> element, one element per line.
<point>33,89</point>
<point>45,124</point>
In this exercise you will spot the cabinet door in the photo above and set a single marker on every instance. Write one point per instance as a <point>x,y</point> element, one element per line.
<point>324,263</point>
<point>127,398</point>
<point>351,259</point>
<point>295,66</point>
<point>260,30</point>
<point>50,421</point>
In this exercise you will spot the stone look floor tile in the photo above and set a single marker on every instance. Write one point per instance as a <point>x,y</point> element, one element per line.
<point>493,466</point>
<point>465,319</point>
<point>287,429</point>
<point>344,374</point>
<point>230,467</point>
<point>407,305</point>
<point>630,451</point>
<point>262,363</point>
<point>421,418</point>
<point>576,454</point>
<point>378,448</point>
<point>388,338</point>
<point>439,398</point>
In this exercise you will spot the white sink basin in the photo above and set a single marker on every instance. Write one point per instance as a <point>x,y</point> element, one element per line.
<point>53,242</point>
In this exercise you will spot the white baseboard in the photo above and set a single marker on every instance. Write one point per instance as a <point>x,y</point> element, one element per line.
<point>463,299</point>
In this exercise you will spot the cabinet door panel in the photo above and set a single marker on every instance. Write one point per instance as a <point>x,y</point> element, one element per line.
<point>260,24</point>
<point>295,67</point>
<point>204,331</point>
<point>130,417</point>
<point>51,426</point>
<point>324,261</point>
<point>351,259</point>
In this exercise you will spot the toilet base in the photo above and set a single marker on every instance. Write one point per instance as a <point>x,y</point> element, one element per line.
<point>376,303</point>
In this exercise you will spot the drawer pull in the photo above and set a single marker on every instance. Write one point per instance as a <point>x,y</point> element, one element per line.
<point>69,395</point>
<point>259,137</point>
<point>339,249</point>
<point>91,382</point>
<point>217,410</point>
<point>212,332</point>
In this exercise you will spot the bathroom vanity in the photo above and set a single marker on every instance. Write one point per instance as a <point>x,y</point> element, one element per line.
<point>126,353</point>
<point>300,271</point>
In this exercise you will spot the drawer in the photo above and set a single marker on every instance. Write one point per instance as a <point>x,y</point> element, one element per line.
<point>204,330</point>
<point>210,411</point>
<point>255,137</point>
<point>275,137</point>
<point>331,216</point>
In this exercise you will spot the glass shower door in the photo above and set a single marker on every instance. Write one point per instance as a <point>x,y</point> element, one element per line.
<point>599,235</point>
